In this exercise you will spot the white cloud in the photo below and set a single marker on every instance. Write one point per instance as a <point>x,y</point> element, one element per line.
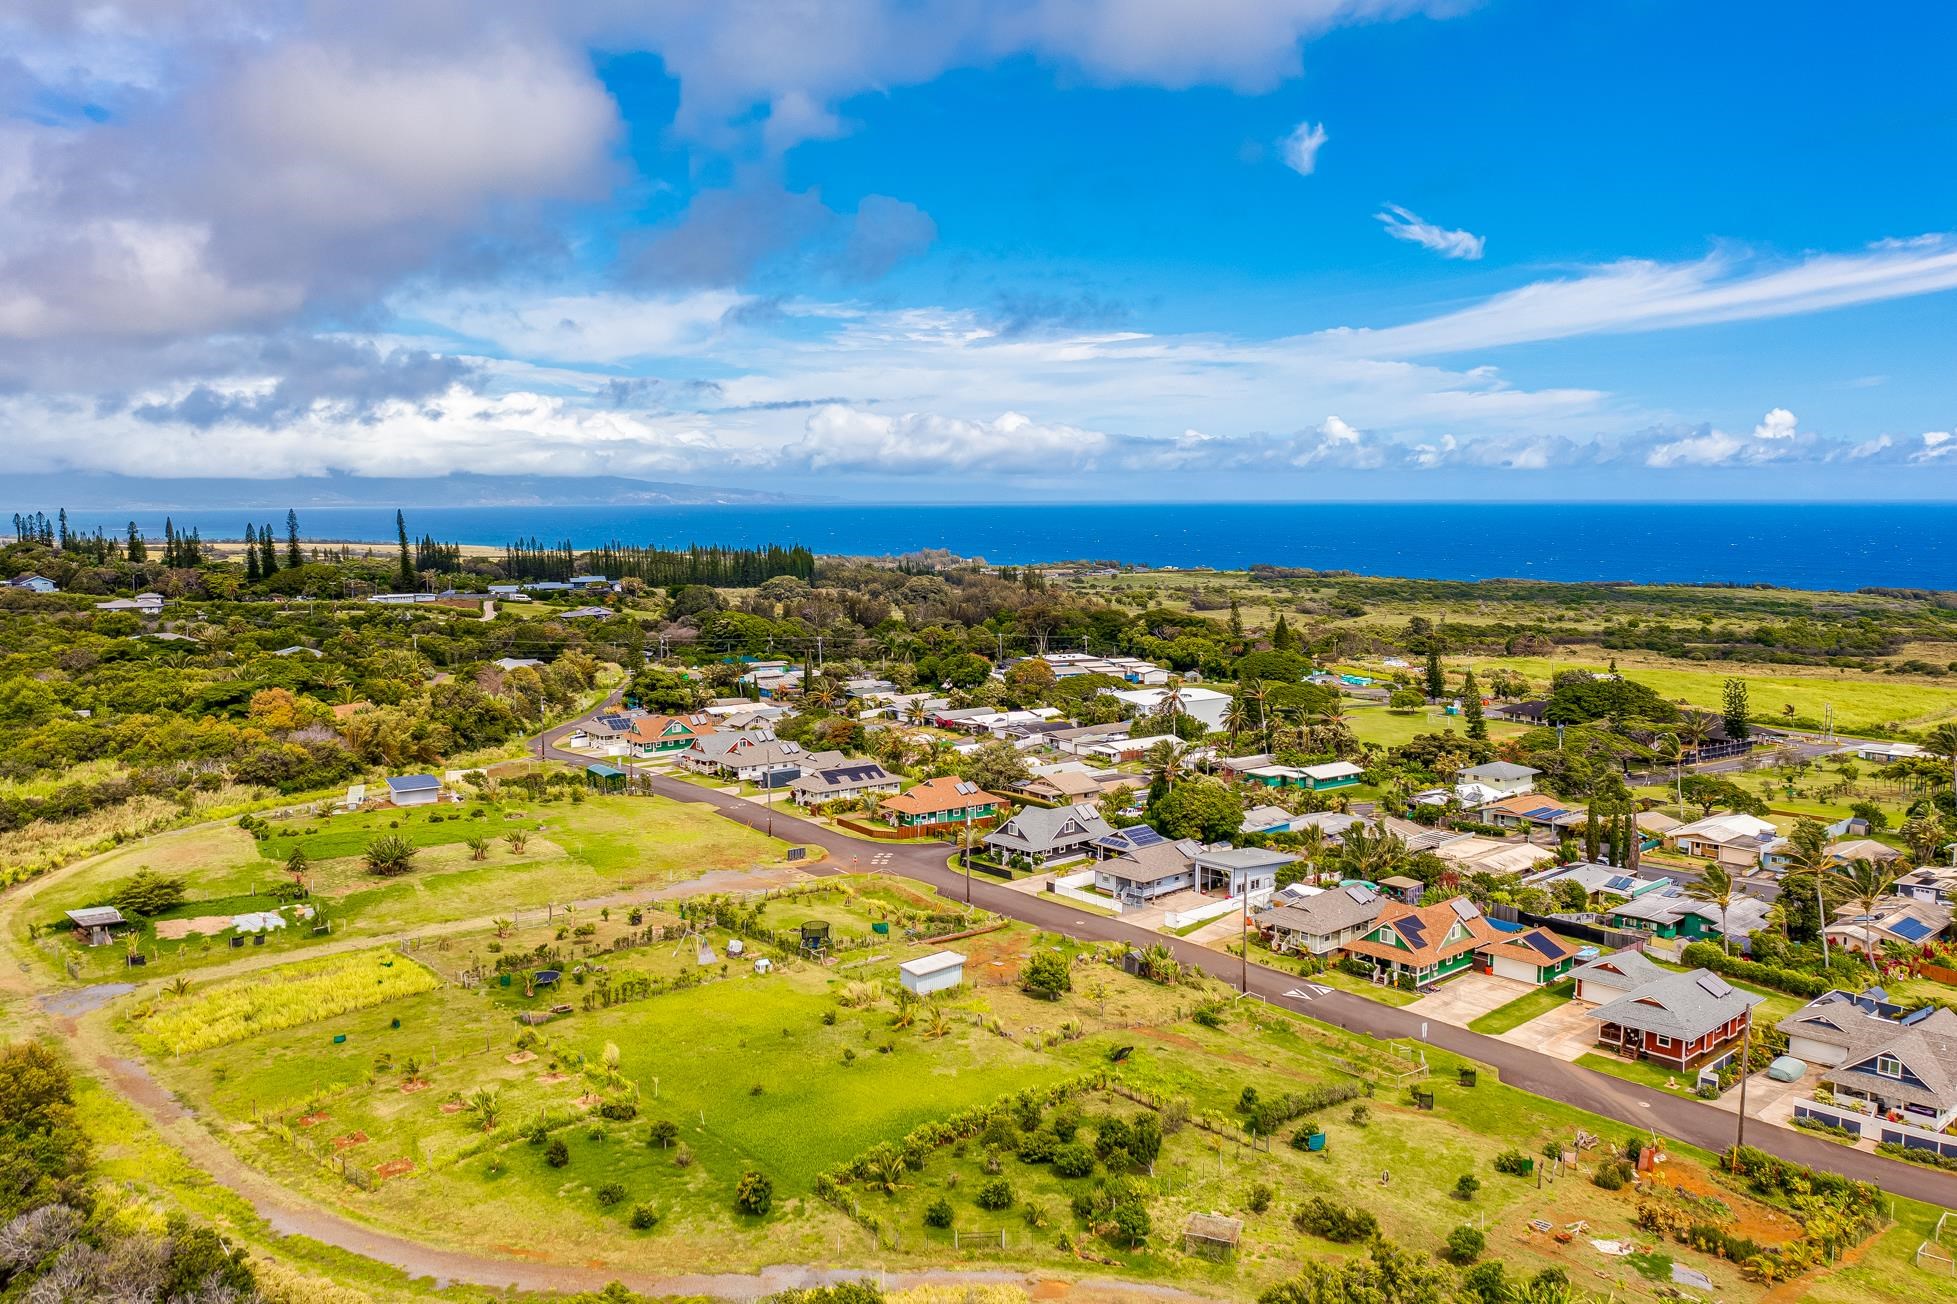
<point>1777,424</point>
<point>1775,438</point>
<point>1300,149</point>
<point>843,438</point>
<point>1404,225</point>
<point>592,329</point>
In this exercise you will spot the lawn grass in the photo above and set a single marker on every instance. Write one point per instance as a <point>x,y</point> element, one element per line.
<point>1376,724</point>
<point>1385,995</point>
<point>1529,1005</point>
<point>1642,1072</point>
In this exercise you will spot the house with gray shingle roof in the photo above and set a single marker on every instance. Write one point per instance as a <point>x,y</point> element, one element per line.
<point>1321,923</point>
<point>1043,833</point>
<point>1906,1070</point>
<point>1609,976</point>
<point>1681,1020</point>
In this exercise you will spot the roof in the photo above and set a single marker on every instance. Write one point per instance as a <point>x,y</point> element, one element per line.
<point>1066,783</point>
<point>852,773</point>
<point>1045,828</point>
<point>936,962</point>
<point>605,771</point>
<point>1496,772</point>
<point>1622,970</point>
<point>1535,946</point>
<point>1731,827</point>
<point>1400,881</point>
<point>96,916</point>
<point>1331,770</point>
<point>1327,913</point>
<point>1152,863</point>
<point>1529,806</point>
<point>1927,1050</point>
<point>1683,1005</point>
<point>652,728</point>
<point>413,783</point>
<point>1135,835</point>
<point>935,796</point>
<point>1213,1227</point>
<point>1432,933</point>
<point>1245,858</point>
<point>1863,849</point>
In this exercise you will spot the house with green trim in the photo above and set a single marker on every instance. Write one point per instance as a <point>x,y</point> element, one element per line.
<point>1689,919</point>
<point>944,800</point>
<point>1418,945</point>
<point>1332,774</point>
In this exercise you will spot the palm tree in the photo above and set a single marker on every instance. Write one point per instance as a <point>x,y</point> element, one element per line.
<point>1237,720</point>
<point>1311,845</point>
<point>517,839</point>
<point>1716,887</point>
<point>1863,884</point>
<point>487,1108</point>
<point>390,856</point>
<point>478,847</point>
<point>1694,729</point>
<point>1372,853</point>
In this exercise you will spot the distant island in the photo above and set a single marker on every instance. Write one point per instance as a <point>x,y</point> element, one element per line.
<point>461,489</point>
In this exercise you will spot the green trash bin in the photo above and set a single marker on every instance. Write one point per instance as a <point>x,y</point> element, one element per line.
<point>1316,1141</point>
<point>880,927</point>
<point>339,1038</point>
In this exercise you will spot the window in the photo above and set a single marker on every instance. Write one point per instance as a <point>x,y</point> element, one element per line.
<point>1889,1066</point>
<point>1664,1043</point>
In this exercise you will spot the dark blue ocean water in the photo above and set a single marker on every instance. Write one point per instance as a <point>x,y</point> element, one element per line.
<point>1814,546</point>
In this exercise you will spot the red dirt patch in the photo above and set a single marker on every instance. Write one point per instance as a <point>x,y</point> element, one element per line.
<point>1751,1219</point>
<point>314,1119</point>
<point>555,1077</point>
<point>521,1057</point>
<point>350,1140</point>
<point>589,1100</point>
<point>518,1252</point>
<point>409,1088</point>
<point>453,1107</point>
<point>394,1168</point>
<point>1051,1289</point>
<point>996,960</point>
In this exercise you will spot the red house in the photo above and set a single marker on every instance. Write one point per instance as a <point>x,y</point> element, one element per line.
<point>1681,1020</point>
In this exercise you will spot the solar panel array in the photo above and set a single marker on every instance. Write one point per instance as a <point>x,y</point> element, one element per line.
<point>1913,929</point>
<point>1464,908</point>
<point>1714,986</point>
<point>1414,930</point>
<point>1543,943</point>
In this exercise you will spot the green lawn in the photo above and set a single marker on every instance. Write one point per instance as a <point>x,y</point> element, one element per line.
<point>1385,995</point>
<point>1376,724</point>
<point>1642,1072</point>
<point>1529,1005</point>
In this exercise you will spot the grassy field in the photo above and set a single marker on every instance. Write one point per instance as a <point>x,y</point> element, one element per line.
<point>595,848</point>
<point>1529,1005</point>
<point>1384,728</point>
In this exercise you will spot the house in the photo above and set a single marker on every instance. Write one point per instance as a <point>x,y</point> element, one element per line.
<point>1680,1019</point>
<point>1850,850</point>
<point>1399,887</point>
<point>712,753</point>
<point>657,735</point>
<point>1148,871</point>
<point>775,763</point>
<point>1122,751</point>
<point>942,800</point>
<point>1936,884</point>
<point>1236,767</point>
<point>1275,776</point>
<point>1534,955</point>
<point>1530,812</point>
<point>1672,914</point>
<point>1076,741</point>
<point>932,973</point>
<point>1732,839</point>
<point>1419,945</point>
<point>1472,853</point>
<point>1240,871</point>
<point>1504,777</point>
<point>1610,976</point>
<point>1122,841</point>
<point>1266,819</point>
<point>851,778</point>
<point>1599,881</point>
<point>1838,1025</point>
<point>1043,833</point>
<point>414,790</point>
<point>1204,704</point>
<point>1908,1075</point>
<point>1332,774</point>
<point>296,649</point>
<point>97,924</point>
<point>143,604</point>
<point>34,584</point>
<point>1063,786</point>
<point>517,663</point>
<point>1903,920</point>
<point>1320,923</point>
<point>588,613</point>
<point>1535,713</point>
<point>1887,753</point>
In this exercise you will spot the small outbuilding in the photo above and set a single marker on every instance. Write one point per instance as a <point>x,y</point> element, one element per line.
<point>1211,1234</point>
<point>605,778</point>
<point>97,924</point>
<point>414,790</point>
<point>932,973</point>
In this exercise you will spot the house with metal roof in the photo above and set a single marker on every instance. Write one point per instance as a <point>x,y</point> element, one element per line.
<point>1504,777</point>
<point>1733,839</point>
<point>1419,945</point>
<point>1330,775</point>
<point>1534,955</point>
<point>658,735</point>
<point>852,777</point>
<point>1906,921</point>
<point>414,790</point>
<point>1241,871</point>
<point>1605,882</point>
<point>1149,871</point>
<point>1680,1019</point>
<point>1043,833</point>
<point>1322,921</point>
<point>1672,914</point>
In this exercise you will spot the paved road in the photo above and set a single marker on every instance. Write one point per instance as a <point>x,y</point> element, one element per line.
<point>1686,1119</point>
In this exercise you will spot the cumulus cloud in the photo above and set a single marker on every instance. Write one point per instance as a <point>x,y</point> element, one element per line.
<point>843,438</point>
<point>1299,150</point>
<point>1404,225</point>
<point>342,379</point>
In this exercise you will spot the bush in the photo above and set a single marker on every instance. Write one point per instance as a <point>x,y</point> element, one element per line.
<point>610,1194</point>
<point>644,1217</point>
<point>1613,1175</point>
<point>1465,1186</point>
<point>1073,1160</point>
<point>995,1194</point>
<point>557,1154</point>
<point>1258,1198</point>
<point>938,1213</point>
<point>1514,1163</point>
<point>1038,1147</point>
<point>663,1133</point>
<point>754,1193</point>
<point>1342,1224</point>
<point>1046,976</point>
<point>147,893</point>
<point>619,1111</point>
<point>1795,982</point>
<point>1465,1244</point>
<point>1132,1223</point>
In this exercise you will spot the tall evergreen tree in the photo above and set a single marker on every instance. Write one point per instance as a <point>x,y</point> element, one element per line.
<point>64,537</point>
<point>138,550</point>
<point>252,571</point>
<point>407,569</point>
<point>1592,835</point>
<point>292,557</point>
<point>1436,678</point>
<point>1471,708</point>
<point>268,555</point>
<point>1737,715</point>
<point>1282,639</point>
<point>169,542</point>
<point>1236,620</point>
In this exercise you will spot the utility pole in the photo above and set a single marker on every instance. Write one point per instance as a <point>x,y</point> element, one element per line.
<point>968,855</point>
<point>1243,946</point>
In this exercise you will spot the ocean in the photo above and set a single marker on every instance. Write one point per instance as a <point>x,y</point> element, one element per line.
<point>1794,545</point>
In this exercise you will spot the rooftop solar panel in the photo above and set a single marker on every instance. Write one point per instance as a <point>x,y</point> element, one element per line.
<point>1618,883</point>
<point>1714,986</point>
<point>1414,931</point>
<point>1464,908</point>
<point>1540,812</point>
<point>1543,943</point>
<point>1913,929</point>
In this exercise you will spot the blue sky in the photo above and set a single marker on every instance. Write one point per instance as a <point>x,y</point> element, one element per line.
<point>941,250</point>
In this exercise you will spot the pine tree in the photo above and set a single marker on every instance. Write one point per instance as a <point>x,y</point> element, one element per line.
<point>1471,708</point>
<point>138,550</point>
<point>1282,639</point>
<point>169,542</point>
<point>252,571</point>
<point>292,556</point>
<point>1436,678</point>
<point>1737,714</point>
<point>1236,620</point>
<point>407,571</point>
<point>268,555</point>
<point>1592,835</point>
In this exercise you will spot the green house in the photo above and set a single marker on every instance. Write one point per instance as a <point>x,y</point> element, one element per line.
<point>1333,774</point>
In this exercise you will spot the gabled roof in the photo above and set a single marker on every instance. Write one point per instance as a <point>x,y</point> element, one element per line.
<point>1326,913</point>
<point>1926,1049</point>
<point>1683,1005</point>
<point>413,783</point>
<point>1066,783</point>
<point>1535,946</point>
<point>1621,970</point>
<point>1496,772</point>
<point>850,774</point>
<point>96,916</point>
<point>1245,858</point>
<point>936,796</point>
<point>1431,933</point>
<point>1153,862</point>
<point>1048,828</point>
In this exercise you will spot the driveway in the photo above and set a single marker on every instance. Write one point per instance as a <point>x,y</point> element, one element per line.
<point>1564,1033</point>
<point>1460,1001</point>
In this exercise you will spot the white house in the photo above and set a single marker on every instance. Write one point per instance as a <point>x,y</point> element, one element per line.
<point>932,973</point>
<point>1205,704</point>
<point>1731,839</point>
<point>414,790</point>
<point>34,584</point>
<point>1886,753</point>
<point>1502,777</point>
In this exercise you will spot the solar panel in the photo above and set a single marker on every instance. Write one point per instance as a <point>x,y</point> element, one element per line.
<point>1359,894</point>
<point>1142,836</point>
<point>1618,883</point>
<point>1543,943</point>
<point>1414,931</point>
<point>1464,908</point>
<point>1540,812</point>
<point>1913,929</point>
<point>1714,986</point>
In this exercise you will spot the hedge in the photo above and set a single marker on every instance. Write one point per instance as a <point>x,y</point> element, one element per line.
<point>1795,982</point>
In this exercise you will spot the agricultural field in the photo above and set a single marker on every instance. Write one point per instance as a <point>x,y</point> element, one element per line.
<point>1384,728</point>
<point>594,848</point>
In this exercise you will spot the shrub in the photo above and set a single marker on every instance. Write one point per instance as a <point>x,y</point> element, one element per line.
<point>1514,1163</point>
<point>1613,1175</point>
<point>1343,1224</point>
<point>754,1193</point>
<point>1132,1223</point>
<point>995,1194</point>
<point>1465,1244</point>
<point>1073,1160</point>
<point>610,1194</point>
<point>644,1217</point>
<point>619,1110</point>
<point>1258,1198</point>
<point>683,1157</point>
<point>938,1213</point>
<point>390,856</point>
<point>147,892</point>
<point>1465,1186</point>
<point>1038,1147</point>
<point>663,1133</point>
<point>557,1154</point>
<point>1046,976</point>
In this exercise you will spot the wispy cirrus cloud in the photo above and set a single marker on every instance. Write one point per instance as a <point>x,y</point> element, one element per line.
<point>1404,225</point>
<point>1299,149</point>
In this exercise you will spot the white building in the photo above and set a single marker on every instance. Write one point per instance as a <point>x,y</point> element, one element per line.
<point>1205,704</point>
<point>414,790</point>
<point>932,973</point>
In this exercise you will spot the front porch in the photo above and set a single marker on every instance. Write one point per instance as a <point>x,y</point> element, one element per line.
<point>1684,1054</point>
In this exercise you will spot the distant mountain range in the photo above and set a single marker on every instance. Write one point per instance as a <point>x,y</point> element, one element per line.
<point>92,491</point>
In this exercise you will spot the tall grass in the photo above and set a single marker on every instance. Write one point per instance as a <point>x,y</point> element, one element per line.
<point>282,998</point>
